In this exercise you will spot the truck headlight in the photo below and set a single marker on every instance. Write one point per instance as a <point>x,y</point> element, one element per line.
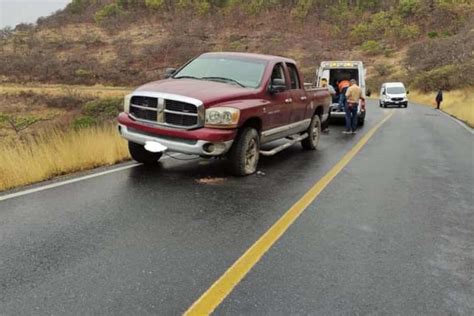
<point>126,103</point>
<point>222,117</point>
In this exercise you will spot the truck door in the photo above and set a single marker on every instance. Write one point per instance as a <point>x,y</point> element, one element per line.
<point>277,113</point>
<point>298,95</point>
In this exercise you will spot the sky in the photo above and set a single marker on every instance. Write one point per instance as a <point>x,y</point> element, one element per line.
<point>13,12</point>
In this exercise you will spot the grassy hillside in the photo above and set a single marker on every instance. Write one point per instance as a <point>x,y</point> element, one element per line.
<point>128,42</point>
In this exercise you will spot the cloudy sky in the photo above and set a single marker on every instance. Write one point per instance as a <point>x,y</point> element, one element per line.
<point>13,12</point>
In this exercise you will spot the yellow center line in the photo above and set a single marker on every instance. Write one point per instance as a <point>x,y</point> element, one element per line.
<point>209,301</point>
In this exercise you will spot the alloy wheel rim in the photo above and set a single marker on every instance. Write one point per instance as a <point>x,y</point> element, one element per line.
<point>316,132</point>
<point>251,155</point>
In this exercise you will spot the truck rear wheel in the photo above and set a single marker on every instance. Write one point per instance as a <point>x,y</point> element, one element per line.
<point>245,152</point>
<point>314,133</point>
<point>140,154</point>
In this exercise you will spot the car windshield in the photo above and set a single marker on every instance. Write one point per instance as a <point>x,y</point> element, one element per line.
<point>242,72</point>
<point>395,90</point>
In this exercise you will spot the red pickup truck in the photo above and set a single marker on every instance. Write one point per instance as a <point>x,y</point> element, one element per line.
<point>224,104</point>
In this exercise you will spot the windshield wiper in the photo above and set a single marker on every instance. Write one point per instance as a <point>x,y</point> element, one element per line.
<point>187,77</point>
<point>224,79</point>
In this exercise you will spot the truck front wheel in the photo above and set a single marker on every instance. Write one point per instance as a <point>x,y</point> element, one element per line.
<point>314,133</point>
<point>245,152</point>
<point>140,154</point>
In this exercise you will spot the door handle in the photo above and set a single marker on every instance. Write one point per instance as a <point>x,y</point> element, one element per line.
<point>303,98</point>
<point>289,100</point>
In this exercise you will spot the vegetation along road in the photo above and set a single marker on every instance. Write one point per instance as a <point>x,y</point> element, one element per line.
<point>380,222</point>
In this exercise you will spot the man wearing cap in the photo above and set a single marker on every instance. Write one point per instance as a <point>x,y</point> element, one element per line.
<point>353,95</point>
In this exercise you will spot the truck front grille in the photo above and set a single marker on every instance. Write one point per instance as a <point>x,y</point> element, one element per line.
<point>180,113</point>
<point>166,112</point>
<point>144,108</point>
<point>397,99</point>
<point>179,106</point>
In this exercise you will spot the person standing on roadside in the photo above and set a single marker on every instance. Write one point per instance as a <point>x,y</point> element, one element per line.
<point>353,94</point>
<point>332,92</point>
<point>342,86</point>
<point>439,98</point>
<point>324,84</point>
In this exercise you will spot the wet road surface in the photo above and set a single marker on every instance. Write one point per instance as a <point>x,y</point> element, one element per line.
<point>393,233</point>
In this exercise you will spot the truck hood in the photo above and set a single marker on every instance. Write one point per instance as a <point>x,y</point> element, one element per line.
<point>209,92</point>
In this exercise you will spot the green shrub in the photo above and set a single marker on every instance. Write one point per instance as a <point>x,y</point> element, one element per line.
<point>108,11</point>
<point>202,7</point>
<point>433,34</point>
<point>83,73</point>
<point>409,31</point>
<point>77,6</point>
<point>302,8</point>
<point>407,8</point>
<point>372,47</point>
<point>446,77</point>
<point>360,33</point>
<point>106,108</point>
<point>383,69</point>
<point>83,122</point>
<point>154,4</point>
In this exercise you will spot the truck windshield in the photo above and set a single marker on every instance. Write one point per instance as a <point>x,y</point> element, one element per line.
<point>246,73</point>
<point>395,90</point>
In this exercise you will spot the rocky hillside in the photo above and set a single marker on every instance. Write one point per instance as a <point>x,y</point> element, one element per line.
<point>427,43</point>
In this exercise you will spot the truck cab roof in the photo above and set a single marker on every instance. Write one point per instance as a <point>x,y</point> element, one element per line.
<point>251,56</point>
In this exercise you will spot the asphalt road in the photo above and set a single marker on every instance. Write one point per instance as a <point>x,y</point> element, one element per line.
<point>393,233</point>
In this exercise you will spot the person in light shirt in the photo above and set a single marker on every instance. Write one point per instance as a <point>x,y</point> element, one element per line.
<point>353,95</point>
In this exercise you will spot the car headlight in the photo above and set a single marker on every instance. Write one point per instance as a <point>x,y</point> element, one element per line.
<point>126,103</point>
<point>222,117</point>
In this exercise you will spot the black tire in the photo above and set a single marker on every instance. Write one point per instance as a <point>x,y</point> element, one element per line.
<point>245,152</point>
<point>380,104</point>
<point>140,154</point>
<point>314,134</point>
<point>406,105</point>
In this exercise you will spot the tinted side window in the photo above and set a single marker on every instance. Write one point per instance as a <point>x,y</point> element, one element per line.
<point>278,75</point>
<point>295,79</point>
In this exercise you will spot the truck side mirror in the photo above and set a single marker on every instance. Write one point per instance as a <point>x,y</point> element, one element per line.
<point>169,72</point>
<point>277,86</point>
<point>408,91</point>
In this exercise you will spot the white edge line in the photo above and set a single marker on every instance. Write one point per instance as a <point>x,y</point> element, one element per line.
<point>61,183</point>
<point>58,184</point>
<point>470,130</point>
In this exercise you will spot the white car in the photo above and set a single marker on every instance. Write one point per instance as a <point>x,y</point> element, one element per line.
<point>393,93</point>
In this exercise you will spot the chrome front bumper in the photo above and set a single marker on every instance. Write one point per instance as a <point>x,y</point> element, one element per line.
<point>184,146</point>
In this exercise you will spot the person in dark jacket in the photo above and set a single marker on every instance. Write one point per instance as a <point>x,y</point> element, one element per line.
<point>439,98</point>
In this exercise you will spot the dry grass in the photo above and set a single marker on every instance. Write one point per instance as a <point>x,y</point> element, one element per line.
<point>57,153</point>
<point>58,89</point>
<point>458,103</point>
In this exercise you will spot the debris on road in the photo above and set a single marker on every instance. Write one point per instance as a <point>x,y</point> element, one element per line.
<point>210,180</point>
